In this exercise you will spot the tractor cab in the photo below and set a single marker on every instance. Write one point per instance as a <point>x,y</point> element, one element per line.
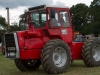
<point>54,21</point>
<point>56,16</point>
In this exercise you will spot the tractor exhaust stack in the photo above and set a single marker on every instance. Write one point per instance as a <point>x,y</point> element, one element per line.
<point>8,19</point>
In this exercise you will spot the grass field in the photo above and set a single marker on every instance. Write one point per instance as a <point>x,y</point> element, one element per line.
<point>7,67</point>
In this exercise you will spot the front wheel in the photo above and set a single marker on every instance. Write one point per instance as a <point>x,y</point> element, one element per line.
<point>27,65</point>
<point>56,57</point>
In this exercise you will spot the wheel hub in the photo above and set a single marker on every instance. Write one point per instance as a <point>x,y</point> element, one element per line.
<point>96,52</point>
<point>59,57</point>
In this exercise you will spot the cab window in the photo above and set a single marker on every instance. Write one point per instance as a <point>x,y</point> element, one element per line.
<point>64,19</point>
<point>55,20</point>
<point>39,17</point>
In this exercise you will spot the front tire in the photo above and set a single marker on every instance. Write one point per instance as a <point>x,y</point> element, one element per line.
<point>27,65</point>
<point>91,52</point>
<point>56,57</point>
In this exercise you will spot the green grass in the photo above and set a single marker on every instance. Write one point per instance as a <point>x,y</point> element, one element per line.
<point>7,67</point>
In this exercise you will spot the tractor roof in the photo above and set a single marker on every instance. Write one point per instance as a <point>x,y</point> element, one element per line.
<point>45,6</point>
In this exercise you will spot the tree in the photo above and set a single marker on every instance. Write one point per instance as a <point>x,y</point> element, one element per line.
<point>88,29</point>
<point>3,26</point>
<point>80,16</point>
<point>95,16</point>
<point>14,27</point>
<point>3,23</point>
<point>22,23</point>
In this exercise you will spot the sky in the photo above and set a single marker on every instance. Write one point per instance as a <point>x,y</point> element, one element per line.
<point>17,7</point>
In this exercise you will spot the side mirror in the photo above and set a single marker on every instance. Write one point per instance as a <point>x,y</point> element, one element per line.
<point>52,12</point>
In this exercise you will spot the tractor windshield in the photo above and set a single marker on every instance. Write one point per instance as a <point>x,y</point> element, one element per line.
<point>39,17</point>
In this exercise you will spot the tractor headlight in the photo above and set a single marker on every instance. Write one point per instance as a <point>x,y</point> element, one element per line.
<point>11,48</point>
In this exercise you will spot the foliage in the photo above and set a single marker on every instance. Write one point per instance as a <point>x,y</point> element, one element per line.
<point>22,23</point>
<point>86,19</point>
<point>3,26</point>
<point>79,15</point>
<point>14,27</point>
<point>21,26</point>
<point>3,23</point>
<point>94,12</point>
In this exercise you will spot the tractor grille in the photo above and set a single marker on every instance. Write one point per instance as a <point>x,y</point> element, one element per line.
<point>10,45</point>
<point>9,40</point>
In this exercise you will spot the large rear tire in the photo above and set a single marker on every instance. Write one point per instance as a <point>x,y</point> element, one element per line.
<point>91,52</point>
<point>27,65</point>
<point>56,57</point>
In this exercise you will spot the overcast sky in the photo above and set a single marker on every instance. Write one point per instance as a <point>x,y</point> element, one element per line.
<point>17,7</point>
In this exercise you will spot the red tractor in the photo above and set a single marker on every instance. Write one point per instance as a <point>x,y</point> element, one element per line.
<point>49,41</point>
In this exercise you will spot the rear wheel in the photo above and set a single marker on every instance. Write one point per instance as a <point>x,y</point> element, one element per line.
<point>91,52</point>
<point>27,65</point>
<point>55,57</point>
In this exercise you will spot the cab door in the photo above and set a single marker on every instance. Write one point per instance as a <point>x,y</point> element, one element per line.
<point>54,22</point>
<point>60,25</point>
<point>66,29</point>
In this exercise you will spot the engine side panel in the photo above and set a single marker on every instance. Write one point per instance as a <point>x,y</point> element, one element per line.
<point>30,54</point>
<point>34,43</point>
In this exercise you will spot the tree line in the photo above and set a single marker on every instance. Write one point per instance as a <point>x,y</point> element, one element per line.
<point>13,27</point>
<point>85,19</point>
